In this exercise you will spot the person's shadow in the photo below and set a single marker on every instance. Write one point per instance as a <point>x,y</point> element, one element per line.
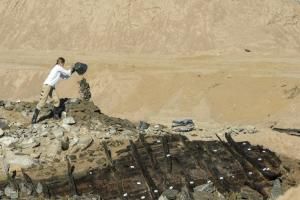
<point>50,114</point>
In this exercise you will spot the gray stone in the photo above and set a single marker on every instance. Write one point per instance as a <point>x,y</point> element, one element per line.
<point>85,142</point>
<point>39,188</point>
<point>143,126</point>
<point>69,121</point>
<point>112,131</point>
<point>276,189</point>
<point>170,194</point>
<point>8,106</point>
<point>7,141</point>
<point>3,124</point>
<point>1,132</point>
<point>11,192</point>
<point>208,187</point>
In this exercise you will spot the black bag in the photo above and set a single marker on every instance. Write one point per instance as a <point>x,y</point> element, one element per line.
<point>80,68</point>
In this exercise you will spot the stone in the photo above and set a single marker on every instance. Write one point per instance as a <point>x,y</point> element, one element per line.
<point>67,127</point>
<point>10,192</point>
<point>183,125</point>
<point>163,198</point>
<point>65,143</point>
<point>63,115</point>
<point>23,161</point>
<point>143,126</point>
<point>182,122</point>
<point>251,129</point>
<point>3,124</point>
<point>69,121</point>
<point>58,132</point>
<point>1,132</point>
<point>30,143</point>
<point>276,189</point>
<point>85,142</point>
<point>8,106</point>
<point>203,195</point>
<point>7,141</point>
<point>74,141</point>
<point>112,131</point>
<point>208,187</point>
<point>36,155</point>
<point>170,194</point>
<point>39,188</point>
<point>53,149</point>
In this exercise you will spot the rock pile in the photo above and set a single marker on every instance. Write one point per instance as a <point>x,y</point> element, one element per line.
<point>84,91</point>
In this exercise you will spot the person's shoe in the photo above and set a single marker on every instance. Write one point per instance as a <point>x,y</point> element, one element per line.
<point>35,116</point>
<point>56,113</point>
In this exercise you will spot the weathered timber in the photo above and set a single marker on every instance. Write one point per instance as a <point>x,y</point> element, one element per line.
<point>148,180</point>
<point>142,170</point>
<point>73,188</point>
<point>253,178</point>
<point>168,156</point>
<point>148,150</point>
<point>259,161</point>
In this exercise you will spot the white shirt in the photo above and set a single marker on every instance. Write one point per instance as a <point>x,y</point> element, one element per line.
<point>56,73</point>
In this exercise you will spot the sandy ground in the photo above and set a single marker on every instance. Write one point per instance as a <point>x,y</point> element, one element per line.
<point>212,90</point>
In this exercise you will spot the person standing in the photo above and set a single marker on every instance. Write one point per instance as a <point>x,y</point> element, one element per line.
<point>48,90</point>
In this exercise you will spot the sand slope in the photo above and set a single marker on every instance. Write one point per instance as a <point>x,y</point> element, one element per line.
<point>153,26</point>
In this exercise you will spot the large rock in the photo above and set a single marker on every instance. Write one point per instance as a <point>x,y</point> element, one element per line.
<point>22,161</point>
<point>84,142</point>
<point>7,141</point>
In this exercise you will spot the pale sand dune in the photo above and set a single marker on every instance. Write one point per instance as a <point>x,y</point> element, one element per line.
<point>153,26</point>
